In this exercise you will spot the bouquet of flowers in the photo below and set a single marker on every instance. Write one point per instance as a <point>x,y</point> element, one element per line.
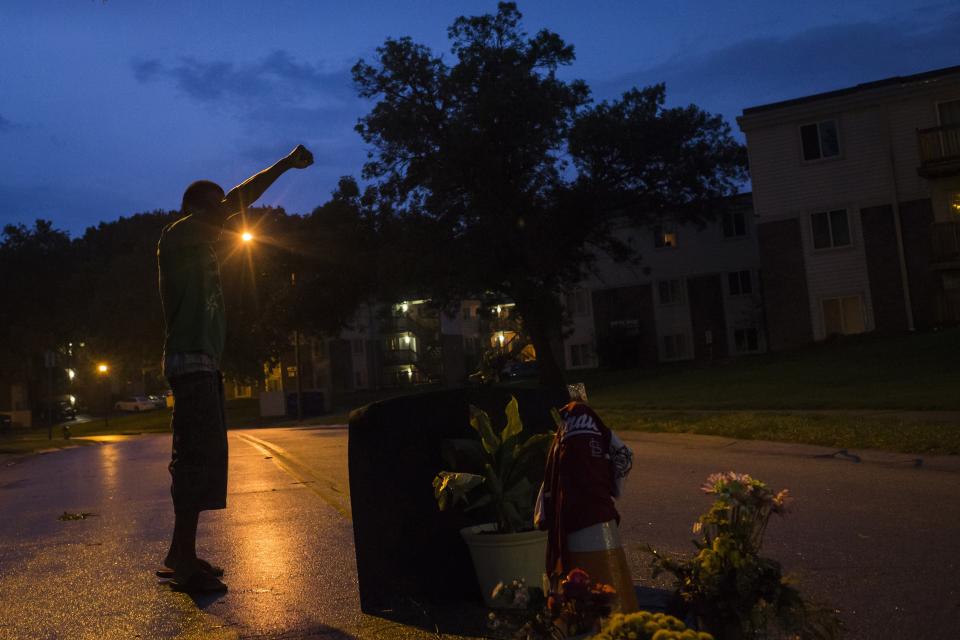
<point>577,607</point>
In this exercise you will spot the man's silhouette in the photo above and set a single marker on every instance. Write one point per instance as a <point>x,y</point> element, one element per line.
<point>195,329</point>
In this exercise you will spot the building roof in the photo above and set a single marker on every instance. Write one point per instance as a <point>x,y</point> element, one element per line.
<point>866,86</point>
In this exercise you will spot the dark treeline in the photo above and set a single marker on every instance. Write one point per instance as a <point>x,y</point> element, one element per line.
<point>100,291</point>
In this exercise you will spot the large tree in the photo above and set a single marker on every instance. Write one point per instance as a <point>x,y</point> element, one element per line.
<point>38,293</point>
<point>512,179</point>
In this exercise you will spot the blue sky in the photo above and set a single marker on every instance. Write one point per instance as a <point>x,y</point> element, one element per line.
<point>112,108</point>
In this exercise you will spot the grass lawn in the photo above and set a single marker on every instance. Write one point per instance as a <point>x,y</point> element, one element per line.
<point>840,431</point>
<point>858,372</point>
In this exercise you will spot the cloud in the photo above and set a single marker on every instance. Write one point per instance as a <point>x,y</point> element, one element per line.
<point>275,79</point>
<point>760,70</point>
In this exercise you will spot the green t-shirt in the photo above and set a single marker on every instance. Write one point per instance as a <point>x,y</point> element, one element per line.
<point>190,288</point>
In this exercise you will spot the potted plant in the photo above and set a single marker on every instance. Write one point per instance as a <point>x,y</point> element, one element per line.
<point>508,470</point>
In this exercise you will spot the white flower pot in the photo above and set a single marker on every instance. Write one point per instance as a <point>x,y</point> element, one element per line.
<point>504,557</point>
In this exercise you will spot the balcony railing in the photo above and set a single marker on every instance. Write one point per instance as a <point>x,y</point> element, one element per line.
<point>939,150</point>
<point>945,240</point>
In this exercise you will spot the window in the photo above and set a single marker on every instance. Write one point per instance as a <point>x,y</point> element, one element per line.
<point>740,283</point>
<point>674,346</point>
<point>291,372</point>
<point>466,313</point>
<point>734,224</point>
<point>577,303</point>
<point>357,346</point>
<point>746,340</point>
<point>948,112</point>
<point>580,355</point>
<point>830,229</point>
<point>820,140</point>
<point>669,291</point>
<point>843,316</point>
<point>664,236</point>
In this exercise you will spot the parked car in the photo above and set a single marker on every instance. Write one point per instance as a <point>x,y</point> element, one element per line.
<point>62,411</point>
<point>6,422</point>
<point>160,402</point>
<point>515,370</point>
<point>135,403</point>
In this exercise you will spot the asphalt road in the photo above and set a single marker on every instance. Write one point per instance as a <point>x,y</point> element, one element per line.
<point>875,538</point>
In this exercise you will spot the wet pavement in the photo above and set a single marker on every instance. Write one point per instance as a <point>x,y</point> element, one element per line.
<point>872,533</point>
<point>288,553</point>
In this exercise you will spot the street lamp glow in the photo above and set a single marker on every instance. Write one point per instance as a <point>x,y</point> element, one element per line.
<point>246,236</point>
<point>102,368</point>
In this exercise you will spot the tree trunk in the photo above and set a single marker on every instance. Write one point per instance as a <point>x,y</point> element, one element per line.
<point>541,315</point>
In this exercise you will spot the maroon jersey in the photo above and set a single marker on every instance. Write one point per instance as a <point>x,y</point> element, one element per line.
<point>579,482</point>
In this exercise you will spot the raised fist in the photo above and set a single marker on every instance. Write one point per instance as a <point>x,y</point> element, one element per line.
<point>300,158</point>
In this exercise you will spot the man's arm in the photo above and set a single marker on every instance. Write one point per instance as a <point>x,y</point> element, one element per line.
<point>249,191</point>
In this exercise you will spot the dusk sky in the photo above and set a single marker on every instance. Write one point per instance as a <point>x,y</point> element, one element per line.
<point>112,108</point>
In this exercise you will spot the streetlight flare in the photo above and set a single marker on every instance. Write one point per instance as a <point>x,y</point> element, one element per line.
<point>102,368</point>
<point>246,236</point>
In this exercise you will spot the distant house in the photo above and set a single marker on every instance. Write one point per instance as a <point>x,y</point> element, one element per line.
<point>857,194</point>
<point>694,294</point>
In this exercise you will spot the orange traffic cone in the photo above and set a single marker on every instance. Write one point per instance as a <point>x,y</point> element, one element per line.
<point>598,551</point>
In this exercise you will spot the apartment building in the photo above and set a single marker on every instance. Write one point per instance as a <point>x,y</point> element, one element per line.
<point>857,194</point>
<point>693,294</point>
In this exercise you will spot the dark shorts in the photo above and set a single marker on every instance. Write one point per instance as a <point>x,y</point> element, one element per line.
<point>198,464</point>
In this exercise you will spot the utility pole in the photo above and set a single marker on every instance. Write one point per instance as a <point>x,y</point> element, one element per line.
<point>49,361</point>
<point>296,356</point>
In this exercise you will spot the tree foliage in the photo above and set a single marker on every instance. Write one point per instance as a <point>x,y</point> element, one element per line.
<point>512,178</point>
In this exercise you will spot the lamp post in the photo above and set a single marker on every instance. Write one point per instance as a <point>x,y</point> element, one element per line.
<point>246,237</point>
<point>102,370</point>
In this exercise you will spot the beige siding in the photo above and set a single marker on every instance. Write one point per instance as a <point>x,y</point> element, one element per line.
<point>699,251</point>
<point>877,165</point>
<point>836,272</point>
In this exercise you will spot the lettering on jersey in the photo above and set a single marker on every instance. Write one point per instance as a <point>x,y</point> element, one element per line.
<point>580,425</point>
<point>596,449</point>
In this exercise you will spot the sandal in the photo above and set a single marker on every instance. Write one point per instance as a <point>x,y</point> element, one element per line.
<point>198,582</point>
<point>214,570</point>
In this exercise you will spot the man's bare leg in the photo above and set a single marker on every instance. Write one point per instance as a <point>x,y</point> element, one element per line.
<point>183,546</point>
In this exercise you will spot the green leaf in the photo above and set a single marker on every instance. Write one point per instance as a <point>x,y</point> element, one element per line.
<point>480,422</point>
<point>493,481</point>
<point>538,443</point>
<point>451,487</point>
<point>514,424</point>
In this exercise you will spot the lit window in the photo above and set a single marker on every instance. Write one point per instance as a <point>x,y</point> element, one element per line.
<point>843,316</point>
<point>820,140</point>
<point>664,237</point>
<point>830,229</point>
